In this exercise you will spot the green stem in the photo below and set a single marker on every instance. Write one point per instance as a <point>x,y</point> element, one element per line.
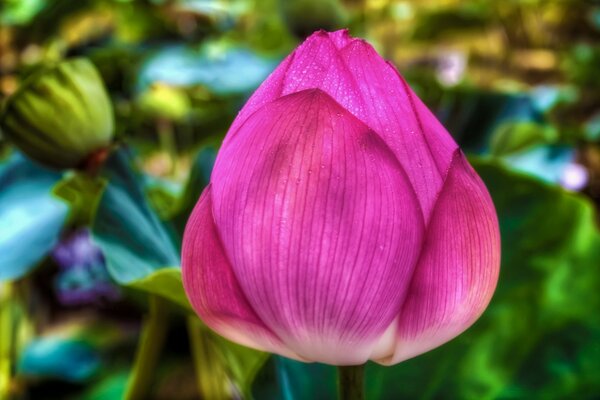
<point>211,376</point>
<point>166,137</point>
<point>148,351</point>
<point>351,382</point>
<point>6,340</point>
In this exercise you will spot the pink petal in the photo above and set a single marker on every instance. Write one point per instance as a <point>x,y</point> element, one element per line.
<point>352,72</point>
<point>316,63</point>
<point>320,224</point>
<point>341,38</point>
<point>212,288</point>
<point>268,91</point>
<point>419,141</point>
<point>458,269</point>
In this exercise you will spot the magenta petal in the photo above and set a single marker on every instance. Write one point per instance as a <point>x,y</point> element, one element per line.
<point>268,91</point>
<point>320,223</point>
<point>341,38</point>
<point>315,64</point>
<point>421,144</point>
<point>458,270</point>
<point>362,82</point>
<point>212,288</point>
<point>318,64</point>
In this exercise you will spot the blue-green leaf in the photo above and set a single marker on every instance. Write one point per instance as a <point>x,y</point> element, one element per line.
<point>223,70</point>
<point>58,357</point>
<point>31,219</point>
<point>133,239</point>
<point>165,282</point>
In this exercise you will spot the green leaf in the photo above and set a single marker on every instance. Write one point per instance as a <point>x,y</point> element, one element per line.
<point>164,282</point>
<point>222,367</point>
<point>82,192</point>
<point>197,181</point>
<point>216,356</point>
<point>442,22</point>
<point>30,218</point>
<point>537,339</point>
<point>512,137</point>
<point>242,362</point>
<point>109,388</point>
<point>473,115</point>
<point>133,239</point>
<point>58,357</point>
<point>212,376</point>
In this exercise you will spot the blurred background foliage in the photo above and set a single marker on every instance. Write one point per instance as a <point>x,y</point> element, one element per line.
<point>91,303</point>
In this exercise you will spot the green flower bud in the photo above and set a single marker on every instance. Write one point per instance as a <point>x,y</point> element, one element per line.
<point>60,115</point>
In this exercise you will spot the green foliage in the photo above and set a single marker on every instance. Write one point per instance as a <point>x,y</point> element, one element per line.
<point>438,23</point>
<point>162,101</point>
<point>223,369</point>
<point>17,12</point>
<point>110,388</point>
<point>82,192</point>
<point>31,219</point>
<point>303,17</point>
<point>197,181</point>
<point>134,241</point>
<point>58,357</point>
<point>511,137</point>
<point>165,282</point>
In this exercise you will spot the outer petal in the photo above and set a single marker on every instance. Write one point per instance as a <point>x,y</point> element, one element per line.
<point>321,226</point>
<point>352,72</point>
<point>419,141</point>
<point>458,269</point>
<point>316,63</point>
<point>212,288</point>
<point>341,38</point>
<point>268,91</point>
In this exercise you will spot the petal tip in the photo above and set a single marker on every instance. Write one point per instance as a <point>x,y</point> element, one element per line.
<point>341,38</point>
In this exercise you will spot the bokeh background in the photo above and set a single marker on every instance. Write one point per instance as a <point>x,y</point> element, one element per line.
<point>90,286</point>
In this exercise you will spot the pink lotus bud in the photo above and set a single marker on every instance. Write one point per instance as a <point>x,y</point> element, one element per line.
<point>342,223</point>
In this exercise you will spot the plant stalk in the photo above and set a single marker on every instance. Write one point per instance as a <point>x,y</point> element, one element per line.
<point>6,340</point>
<point>211,376</point>
<point>149,348</point>
<point>351,382</point>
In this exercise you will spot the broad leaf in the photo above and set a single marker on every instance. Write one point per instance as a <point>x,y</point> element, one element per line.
<point>82,192</point>
<point>59,357</point>
<point>222,69</point>
<point>31,219</point>
<point>164,282</point>
<point>197,181</point>
<point>133,239</point>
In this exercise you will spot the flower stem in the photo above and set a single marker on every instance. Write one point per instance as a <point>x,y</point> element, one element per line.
<point>148,351</point>
<point>211,375</point>
<point>166,138</point>
<point>351,382</point>
<point>6,340</point>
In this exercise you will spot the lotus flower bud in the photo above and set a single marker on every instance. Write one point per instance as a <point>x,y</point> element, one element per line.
<point>342,223</point>
<point>60,115</point>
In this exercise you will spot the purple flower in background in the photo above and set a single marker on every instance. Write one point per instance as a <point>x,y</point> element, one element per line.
<point>83,278</point>
<point>342,223</point>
